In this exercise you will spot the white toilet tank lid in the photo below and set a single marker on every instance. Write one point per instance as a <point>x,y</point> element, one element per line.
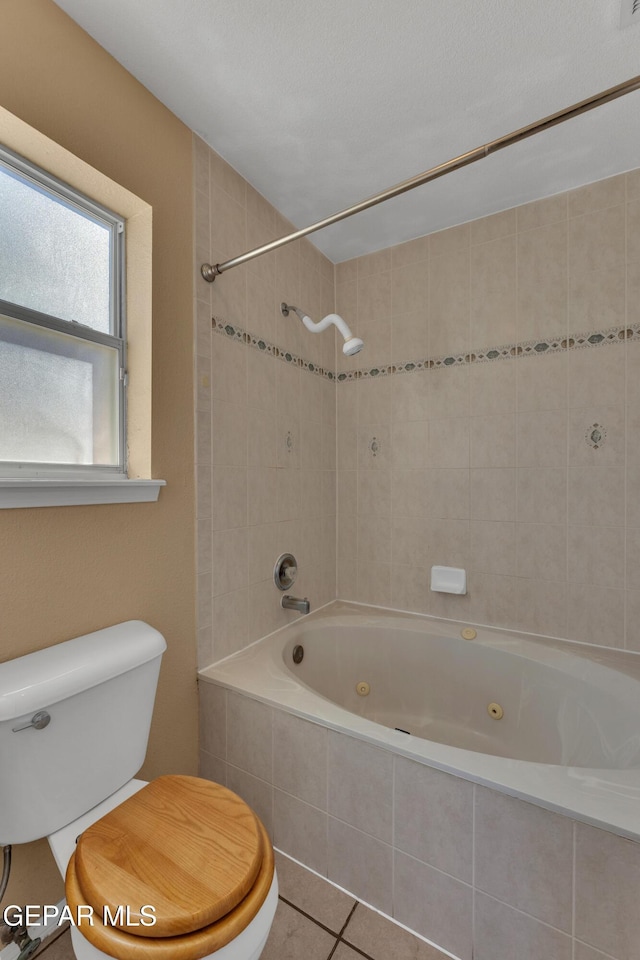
<point>55,673</point>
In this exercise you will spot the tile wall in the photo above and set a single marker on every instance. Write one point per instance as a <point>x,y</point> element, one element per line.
<point>480,874</point>
<point>266,416</point>
<point>494,420</point>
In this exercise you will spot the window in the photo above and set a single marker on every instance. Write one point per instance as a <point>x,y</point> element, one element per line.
<point>62,335</point>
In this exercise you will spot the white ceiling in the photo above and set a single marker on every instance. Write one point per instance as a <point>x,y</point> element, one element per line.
<point>322,104</point>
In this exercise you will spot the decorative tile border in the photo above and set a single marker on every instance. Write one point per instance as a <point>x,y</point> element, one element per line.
<point>259,343</point>
<point>529,348</point>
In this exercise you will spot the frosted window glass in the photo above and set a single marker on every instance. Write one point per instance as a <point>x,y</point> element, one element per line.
<point>54,258</point>
<point>58,397</point>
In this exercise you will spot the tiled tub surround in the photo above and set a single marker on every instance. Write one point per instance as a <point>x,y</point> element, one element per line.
<point>479,874</point>
<point>265,429</point>
<point>493,466</point>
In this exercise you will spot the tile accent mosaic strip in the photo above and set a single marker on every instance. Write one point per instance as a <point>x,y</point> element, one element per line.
<point>259,343</point>
<point>506,352</point>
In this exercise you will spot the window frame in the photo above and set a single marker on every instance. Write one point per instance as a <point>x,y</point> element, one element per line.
<point>116,339</point>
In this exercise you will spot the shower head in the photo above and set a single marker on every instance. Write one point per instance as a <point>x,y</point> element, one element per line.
<point>351,344</point>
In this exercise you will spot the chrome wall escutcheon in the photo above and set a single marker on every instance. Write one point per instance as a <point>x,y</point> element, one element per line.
<point>39,721</point>
<point>285,571</point>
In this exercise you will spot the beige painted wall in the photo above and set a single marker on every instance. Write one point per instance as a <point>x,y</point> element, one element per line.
<point>65,571</point>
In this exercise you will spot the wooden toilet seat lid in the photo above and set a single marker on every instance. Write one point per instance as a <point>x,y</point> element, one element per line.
<point>191,946</point>
<point>188,847</point>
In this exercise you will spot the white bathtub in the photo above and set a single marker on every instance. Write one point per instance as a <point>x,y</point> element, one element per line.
<point>568,739</point>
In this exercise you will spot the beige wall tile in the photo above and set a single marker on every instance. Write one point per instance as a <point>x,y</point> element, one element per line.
<point>409,336</point>
<point>449,303</point>
<point>493,494</point>
<point>410,252</point>
<point>492,388</point>
<point>409,288</point>
<point>374,493</point>
<point>258,794</point>
<point>374,582</point>
<point>542,607</point>
<point>492,547</point>
<point>633,230</point>
<point>597,196</point>
<point>374,538</point>
<point>410,587</point>
<point>249,740</point>
<point>595,614</point>
<point>374,400</point>
<point>410,396</point>
<point>490,228</point>
<point>597,376</point>
<point>347,271</point>
<point>542,382</point>
<point>374,297</point>
<point>542,495</point>
<point>231,571</point>
<point>493,599</point>
<point>229,507</point>
<point>230,628</point>
<point>503,933</point>
<point>410,541</point>
<point>596,555</point>
<point>632,618</point>
<point>542,551</point>
<point>542,282</point>
<point>448,493</point>
<point>300,758</point>
<point>300,831</point>
<point>374,446</point>
<point>633,185</point>
<point>447,241</point>
<point>448,444</point>
<point>433,904</point>
<point>410,489</point>
<point>374,263</point>
<point>360,862</point>
<point>524,857</point>
<point>596,269</point>
<point>449,392</point>
<point>213,718</point>
<point>596,494</point>
<point>540,212</point>
<point>542,438</point>
<point>409,444</point>
<point>360,785</point>
<point>583,952</point>
<point>433,815</point>
<point>493,441</point>
<point>493,292</point>
<point>607,885</point>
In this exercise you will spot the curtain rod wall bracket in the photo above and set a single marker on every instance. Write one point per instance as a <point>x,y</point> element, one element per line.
<point>210,271</point>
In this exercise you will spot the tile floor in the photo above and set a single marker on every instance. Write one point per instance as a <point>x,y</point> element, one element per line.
<point>315,921</point>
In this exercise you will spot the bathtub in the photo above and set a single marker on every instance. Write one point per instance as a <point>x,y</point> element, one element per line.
<point>550,722</point>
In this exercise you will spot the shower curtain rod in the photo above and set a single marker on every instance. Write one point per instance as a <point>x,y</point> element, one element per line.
<point>211,271</point>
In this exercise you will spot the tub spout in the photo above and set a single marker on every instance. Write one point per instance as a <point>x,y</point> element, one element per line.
<point>295,603</point>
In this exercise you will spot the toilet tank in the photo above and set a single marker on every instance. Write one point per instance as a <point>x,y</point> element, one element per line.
<point>99,691</point>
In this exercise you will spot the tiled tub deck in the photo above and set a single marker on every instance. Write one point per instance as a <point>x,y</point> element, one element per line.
<point>481,875</point>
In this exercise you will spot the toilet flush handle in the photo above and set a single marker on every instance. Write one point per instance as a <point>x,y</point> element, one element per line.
<point>39,720</point>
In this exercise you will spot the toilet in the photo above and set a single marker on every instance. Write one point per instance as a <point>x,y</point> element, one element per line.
<point>179,868</point>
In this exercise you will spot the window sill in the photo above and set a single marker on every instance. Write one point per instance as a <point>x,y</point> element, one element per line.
<point>35,492</point>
